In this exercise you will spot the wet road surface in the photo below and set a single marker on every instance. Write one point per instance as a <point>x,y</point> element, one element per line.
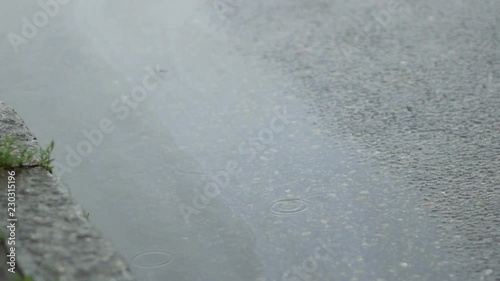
<point>272,140</point>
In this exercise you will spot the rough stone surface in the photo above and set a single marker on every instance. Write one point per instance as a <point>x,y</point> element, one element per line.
<point>54,240</point>
<point>14,127</point>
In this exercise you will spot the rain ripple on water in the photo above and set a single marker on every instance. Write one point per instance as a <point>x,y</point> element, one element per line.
<point>290,206</point>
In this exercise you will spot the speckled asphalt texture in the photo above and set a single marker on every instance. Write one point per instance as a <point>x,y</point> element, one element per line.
<point>412,86</point>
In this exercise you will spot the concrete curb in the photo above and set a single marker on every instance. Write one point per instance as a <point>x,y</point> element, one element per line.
<point>53,238</point>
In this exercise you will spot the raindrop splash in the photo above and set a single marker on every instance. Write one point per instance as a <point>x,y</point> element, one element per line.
<point>153,259</point>
<point>289,206</point>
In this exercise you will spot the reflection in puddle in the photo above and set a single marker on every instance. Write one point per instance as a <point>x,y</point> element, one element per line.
<point>152,259</point>
<point>289,206</point>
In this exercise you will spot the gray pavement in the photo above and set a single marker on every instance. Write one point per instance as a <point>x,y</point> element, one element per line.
<point>365,134</point>
<point>413,86</point>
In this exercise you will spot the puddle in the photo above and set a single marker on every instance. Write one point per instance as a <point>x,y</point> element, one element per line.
<point>286,186</point>
<point>153,259</point>
<point>290,206</point>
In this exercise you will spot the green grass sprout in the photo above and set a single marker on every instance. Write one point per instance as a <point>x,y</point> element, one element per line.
<point>10,159</point>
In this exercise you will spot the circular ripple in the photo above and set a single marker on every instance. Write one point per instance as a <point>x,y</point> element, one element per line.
<point>152,259</point>
<point>288,206</point>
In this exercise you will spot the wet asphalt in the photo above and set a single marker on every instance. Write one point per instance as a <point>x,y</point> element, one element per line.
<point>367,129</point>
<point>408,86</point>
